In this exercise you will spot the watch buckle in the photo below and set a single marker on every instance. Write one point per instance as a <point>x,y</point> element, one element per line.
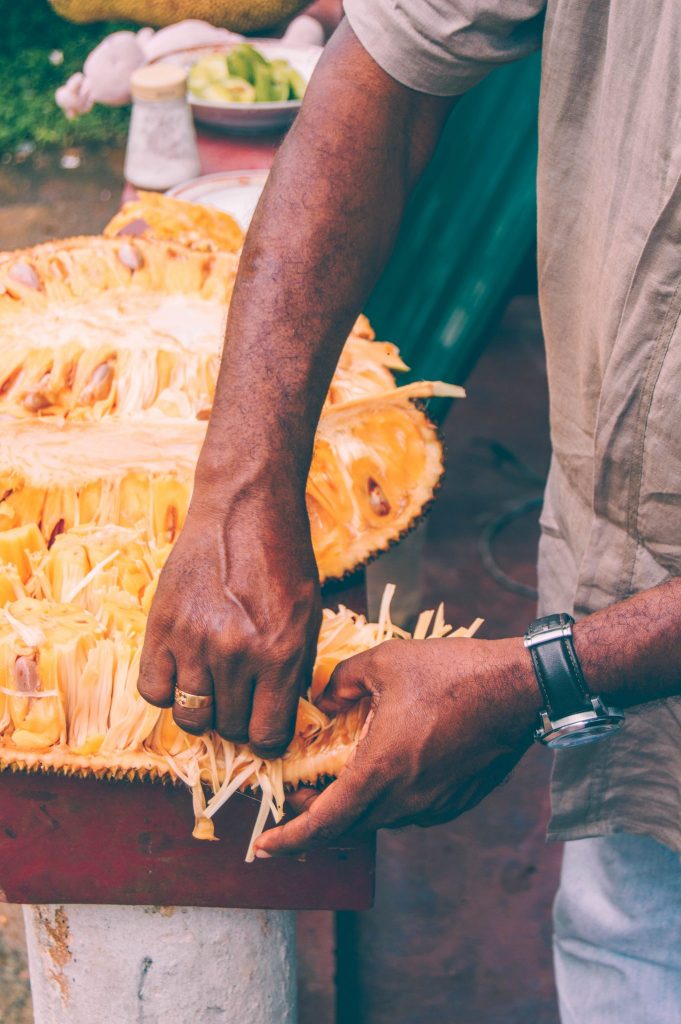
<point>547,635</point>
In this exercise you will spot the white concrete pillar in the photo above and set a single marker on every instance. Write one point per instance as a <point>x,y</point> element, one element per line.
<point>161,965</point>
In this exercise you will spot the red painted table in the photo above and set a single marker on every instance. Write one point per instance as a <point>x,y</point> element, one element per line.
<point>71,840</point>
<point>220,152</point>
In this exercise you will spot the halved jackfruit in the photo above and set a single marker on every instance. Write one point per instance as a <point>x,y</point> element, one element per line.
<point>104,409</point>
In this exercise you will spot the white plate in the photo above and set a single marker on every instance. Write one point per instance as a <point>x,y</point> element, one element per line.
<point>234,192</point>
<point>250,117</point>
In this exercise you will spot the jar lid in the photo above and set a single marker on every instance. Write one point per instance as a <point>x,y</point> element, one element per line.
<point>158,82</point>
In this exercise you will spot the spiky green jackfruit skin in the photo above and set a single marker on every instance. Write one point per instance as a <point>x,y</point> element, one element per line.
<point>237,15</point>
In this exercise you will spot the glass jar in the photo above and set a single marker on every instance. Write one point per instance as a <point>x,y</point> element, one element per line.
<point>161,150</point>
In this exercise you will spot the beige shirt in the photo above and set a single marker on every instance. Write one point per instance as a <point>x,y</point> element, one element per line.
<point>609,245</point>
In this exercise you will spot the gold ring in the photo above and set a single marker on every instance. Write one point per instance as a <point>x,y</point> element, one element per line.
<point>192,700</point>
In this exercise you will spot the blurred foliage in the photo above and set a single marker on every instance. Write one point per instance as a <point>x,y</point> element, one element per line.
<point>30,34</point>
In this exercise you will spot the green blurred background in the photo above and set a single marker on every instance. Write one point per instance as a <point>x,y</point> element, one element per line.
<point>469,229</point>
<point>38,52</point>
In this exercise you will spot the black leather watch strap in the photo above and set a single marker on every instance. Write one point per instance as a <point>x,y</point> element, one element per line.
<point>557,667</point>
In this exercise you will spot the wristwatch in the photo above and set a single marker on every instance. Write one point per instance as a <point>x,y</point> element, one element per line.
<point>570,715</point>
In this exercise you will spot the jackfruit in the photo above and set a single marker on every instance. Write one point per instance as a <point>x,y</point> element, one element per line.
<point>237,15</point>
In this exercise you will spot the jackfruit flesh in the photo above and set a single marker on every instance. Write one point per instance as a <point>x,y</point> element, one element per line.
<point>161,218</point>
<point>120,373</point>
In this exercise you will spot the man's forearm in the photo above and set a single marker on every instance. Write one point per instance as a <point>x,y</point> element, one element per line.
<point>320,237</point>
<point>631,651</point>
<point>237,610</point>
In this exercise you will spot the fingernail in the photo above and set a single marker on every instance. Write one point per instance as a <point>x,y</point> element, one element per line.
<point>263,855</point>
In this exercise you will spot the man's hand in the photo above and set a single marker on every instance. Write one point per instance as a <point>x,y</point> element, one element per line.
<point>449,720</point>
<point>236,615</point>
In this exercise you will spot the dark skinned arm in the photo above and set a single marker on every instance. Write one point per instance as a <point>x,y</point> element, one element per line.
<point>451,718</point>
<point>237,610</point>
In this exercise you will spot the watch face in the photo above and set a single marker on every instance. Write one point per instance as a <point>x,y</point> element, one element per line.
<point>575,735</point>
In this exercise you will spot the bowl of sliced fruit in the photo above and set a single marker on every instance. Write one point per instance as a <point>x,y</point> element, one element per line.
<point>248,87</point>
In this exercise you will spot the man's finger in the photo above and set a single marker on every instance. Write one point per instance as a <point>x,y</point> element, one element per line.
<point>156,682</point>
<point>336,811</point>
<point>194,685</point>
<point>234,684</point>
<point>302,799</point>
<point>347,685</point>
<point>275,706</point>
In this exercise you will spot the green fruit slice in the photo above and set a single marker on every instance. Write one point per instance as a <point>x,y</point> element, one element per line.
<point>297,83</point>
<point>232,90</point>
<point>263,84</point>
<point>209,69</point>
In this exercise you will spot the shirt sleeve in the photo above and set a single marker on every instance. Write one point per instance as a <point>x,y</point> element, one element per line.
<point>444,47</point>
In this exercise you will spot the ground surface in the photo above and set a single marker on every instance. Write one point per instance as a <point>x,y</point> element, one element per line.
<point>461,930</point>
<point>40,199</point>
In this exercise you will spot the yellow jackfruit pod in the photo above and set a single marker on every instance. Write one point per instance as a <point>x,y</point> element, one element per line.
<point>65,567</point>
<point>170,502</point>
<point>11,584</point>
<point>148,595</point>
<point>19,547</point>
<point>120,614</point>
<point>44,648</point>
<point>89,559</point>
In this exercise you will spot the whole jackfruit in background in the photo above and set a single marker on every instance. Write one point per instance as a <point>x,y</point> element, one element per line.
<point>237,15</point>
